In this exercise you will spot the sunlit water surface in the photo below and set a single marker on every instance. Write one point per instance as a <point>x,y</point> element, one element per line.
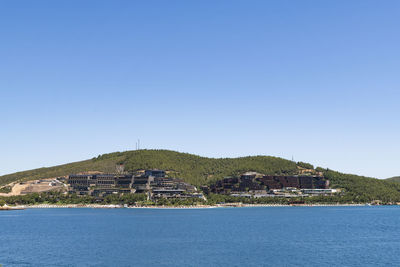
<point>275,236</point>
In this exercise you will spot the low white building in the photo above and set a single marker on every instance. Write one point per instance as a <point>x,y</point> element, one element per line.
<point>319,191</point>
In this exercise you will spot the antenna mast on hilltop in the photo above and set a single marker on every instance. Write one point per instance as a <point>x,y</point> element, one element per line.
<point>138,144</point>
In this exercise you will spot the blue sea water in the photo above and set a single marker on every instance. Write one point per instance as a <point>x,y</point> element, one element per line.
<point>275,236</point>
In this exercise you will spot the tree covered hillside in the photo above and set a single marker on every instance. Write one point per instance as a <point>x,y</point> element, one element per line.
<point>394,179</point>
<point>107,165</point>
<point>201,170</point>
<point>193,169</point>
<point>364,189</point>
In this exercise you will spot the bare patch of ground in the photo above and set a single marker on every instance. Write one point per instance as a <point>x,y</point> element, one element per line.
<point>36,186</point>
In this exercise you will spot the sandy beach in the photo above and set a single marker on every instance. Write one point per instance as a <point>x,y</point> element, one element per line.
<point>112,206</point>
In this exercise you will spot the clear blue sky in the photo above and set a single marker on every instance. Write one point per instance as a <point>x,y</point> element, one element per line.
<point>317,80</point>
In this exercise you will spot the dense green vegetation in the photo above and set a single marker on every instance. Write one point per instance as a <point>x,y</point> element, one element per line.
<point>200,170</point>
<point>106,165</point>
<point>305,165</point>
<point>193,169</point>
<point>337,199</point>
<point>364,189</point>
<point>394,179</point>
<point>5,189</point>
<point>60,198</point>
<point>57,198</point>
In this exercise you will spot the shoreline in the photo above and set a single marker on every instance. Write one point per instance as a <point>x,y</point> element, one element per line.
<point>233,205</point>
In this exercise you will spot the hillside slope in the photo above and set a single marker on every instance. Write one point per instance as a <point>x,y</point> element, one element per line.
<point>394,179</point>
<point>193,169</point>
<point>364,189</point>
<point>201,170</point>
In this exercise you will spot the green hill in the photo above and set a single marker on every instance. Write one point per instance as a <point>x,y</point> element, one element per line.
<point>193,169</point>
<point>364,189</point>
<point>394,179</point>
<point>201,170</point>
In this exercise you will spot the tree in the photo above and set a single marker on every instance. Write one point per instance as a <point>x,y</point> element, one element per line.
<point>305,165</point>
